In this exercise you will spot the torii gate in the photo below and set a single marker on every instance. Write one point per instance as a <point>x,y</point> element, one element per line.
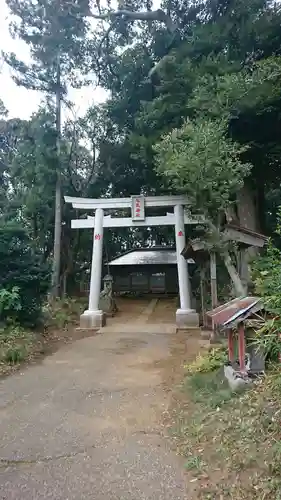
<point>186,317</point>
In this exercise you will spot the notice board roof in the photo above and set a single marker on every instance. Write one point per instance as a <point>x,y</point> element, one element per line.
<point>237,310</point>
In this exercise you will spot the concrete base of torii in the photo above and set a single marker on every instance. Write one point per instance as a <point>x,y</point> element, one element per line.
<point>92,320</point>
<point>187,319</point>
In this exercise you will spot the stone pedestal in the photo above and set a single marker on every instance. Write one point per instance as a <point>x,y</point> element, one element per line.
<point>92,320</point>
<point>186,319</point>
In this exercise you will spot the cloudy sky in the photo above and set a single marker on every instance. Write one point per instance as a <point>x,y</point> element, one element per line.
<point>21,102</point>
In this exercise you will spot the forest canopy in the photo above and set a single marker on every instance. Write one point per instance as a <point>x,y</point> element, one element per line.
<point>193,107</point>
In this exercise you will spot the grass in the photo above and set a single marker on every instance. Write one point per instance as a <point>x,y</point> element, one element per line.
<point>18,345</point>
<point>209,389</point>
<point>231,443</point>
<point>15,345</point>
<point>194,462</point>
<point>214,359</point>
<point>63,312</point>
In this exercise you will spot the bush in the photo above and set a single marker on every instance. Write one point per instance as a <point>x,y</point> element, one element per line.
<point>266,273</point>
<point>208,362</point>
<point>16,344</point>
<point>24,278</point>
<point>15,355</point>
<point>9,301</point>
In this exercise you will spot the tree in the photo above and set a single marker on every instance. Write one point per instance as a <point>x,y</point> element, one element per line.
<point>28,160</point>
<point>217,66</point>
<point>21,270</point>
<point>214,88</point>
<point>55,33</point>
<point>3,110</point>
<point>202,162</point>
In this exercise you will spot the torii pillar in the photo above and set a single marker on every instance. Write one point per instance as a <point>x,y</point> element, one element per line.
<point>93,317</point>
<point>186,317</point>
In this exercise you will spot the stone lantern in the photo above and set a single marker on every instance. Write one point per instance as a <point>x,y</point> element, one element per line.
<point>107,303</point>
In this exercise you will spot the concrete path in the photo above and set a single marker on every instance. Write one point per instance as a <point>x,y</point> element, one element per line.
<point>86,423</point>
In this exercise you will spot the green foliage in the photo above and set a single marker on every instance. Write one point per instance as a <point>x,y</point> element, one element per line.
<point>199,160</point>
<point>15,345</point>
<point>267,339</point>
<point>205,379</point>
<point>62,312</point>
<point>266,272</point>
<point>267,279</point>
<point>211,110</point>
<point>15,355</point>
<point>209,388</point>
<point>194,462</point>
<point>9,301</point>
<point>3,110</point>
<point>233,436</point>
<point>228,94</point>
<point>52,29</point>
<point>21,272</point>
<point>208,362</point>
<point>55,34</point>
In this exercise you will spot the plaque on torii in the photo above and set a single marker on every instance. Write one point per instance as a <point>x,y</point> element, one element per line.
<point>137,208</point>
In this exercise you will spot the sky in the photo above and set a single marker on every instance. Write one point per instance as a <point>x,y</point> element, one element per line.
<point>21,102</point>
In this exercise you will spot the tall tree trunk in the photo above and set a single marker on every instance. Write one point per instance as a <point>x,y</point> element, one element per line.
<point>202,293</point>
<point>58,201</point>
<point>235,278</point>
<point>213,278</point>
<point>248,218</point>
<point>246,208</point>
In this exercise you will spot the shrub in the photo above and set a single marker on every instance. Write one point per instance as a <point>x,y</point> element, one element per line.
<point>60,312</point>
<point>208,362</point>
<point>23,276</point>
<point>15,355</point>
<point>16,343</point>
<point>266,273</point>
<point>9,301</point>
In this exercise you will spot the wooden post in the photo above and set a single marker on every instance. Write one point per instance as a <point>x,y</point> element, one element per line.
<point>241,347</point>
<point>279,355</point>
<point>202,276</point>
<point>213,274</point>
<point>230,345</point>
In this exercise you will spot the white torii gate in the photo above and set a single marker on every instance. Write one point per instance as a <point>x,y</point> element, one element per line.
<point>186,317</point>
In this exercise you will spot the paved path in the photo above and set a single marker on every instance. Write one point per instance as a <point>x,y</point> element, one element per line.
<point>86,423</point>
